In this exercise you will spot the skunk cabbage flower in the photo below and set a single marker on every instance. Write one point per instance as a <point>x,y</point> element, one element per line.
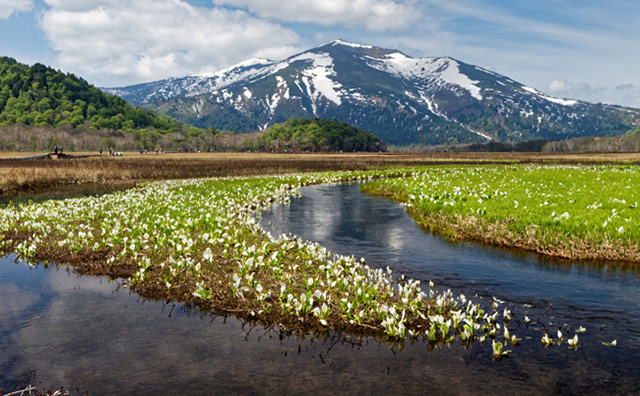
<point>546,340</point>
<point>573,342</point>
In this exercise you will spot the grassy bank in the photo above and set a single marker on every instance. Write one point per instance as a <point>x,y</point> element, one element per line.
<point>196,241</point>
<point>561,211</point>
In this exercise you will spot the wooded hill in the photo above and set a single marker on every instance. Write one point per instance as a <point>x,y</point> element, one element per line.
<point>41,96</point>
<point>41,107</point>
<point>315,135</point>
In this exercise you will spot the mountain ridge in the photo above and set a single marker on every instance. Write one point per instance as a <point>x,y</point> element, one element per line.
<point>401,99</point>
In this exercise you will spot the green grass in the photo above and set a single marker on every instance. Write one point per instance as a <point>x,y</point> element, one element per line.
<point>567,211</point>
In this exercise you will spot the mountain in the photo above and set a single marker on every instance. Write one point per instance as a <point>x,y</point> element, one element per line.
<point>41,96</point>
<point>400,99</point>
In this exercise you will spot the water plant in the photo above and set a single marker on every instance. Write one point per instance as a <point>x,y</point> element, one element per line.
<point>198,241</point>
<point>498,350</point>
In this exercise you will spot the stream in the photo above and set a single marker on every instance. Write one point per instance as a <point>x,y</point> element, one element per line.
<point>93,336</point>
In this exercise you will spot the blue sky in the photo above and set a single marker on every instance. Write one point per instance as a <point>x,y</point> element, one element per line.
<point>579,49</point>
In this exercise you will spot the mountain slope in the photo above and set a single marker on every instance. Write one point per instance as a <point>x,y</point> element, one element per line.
<point>41,96</point>
<point>400,99</point>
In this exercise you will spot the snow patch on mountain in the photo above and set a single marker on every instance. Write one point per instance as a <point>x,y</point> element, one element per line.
<point>564,102</point>
<point>199,84</point>
<point>250,63</point>
<point>451,74</point>
<point>317,77</point>
<point>437,71</point>
<point>347,44</point>
<point>433,108</point>
<point>282,92</point>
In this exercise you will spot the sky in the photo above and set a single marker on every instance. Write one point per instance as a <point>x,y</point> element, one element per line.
<point>582,49</point>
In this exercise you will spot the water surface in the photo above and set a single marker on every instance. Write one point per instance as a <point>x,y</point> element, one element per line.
<point>91,334</point>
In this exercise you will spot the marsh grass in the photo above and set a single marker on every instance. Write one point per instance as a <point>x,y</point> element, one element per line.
<point>65,177</point>
<point>561,211</point>
<point>198,242</point>
<point>38,176</point>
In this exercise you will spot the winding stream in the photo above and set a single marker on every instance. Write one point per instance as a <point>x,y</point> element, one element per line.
<point>90,334</point>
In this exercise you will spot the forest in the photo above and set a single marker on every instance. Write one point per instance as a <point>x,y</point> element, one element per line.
<point>315,135</point>
<point>41,96</point>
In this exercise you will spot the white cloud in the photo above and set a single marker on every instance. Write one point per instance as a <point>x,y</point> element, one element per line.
<point>118,42</point>
<point>621,94</point>
<point>9,7</point>
<point>563,86</point>
<point>375,15</point>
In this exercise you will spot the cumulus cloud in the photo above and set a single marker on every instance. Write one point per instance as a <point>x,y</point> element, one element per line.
<point>375,15</point>
<point>118,42</point>
<point>9,7</point>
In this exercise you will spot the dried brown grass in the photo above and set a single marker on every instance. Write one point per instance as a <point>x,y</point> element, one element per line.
<point>67,176</point>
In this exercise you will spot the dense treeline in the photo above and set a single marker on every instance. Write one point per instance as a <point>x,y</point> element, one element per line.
<point>41,96</point>
<point>629,143</point>
<point>315,135</point>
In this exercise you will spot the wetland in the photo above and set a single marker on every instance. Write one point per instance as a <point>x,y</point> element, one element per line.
<point>277,297</point>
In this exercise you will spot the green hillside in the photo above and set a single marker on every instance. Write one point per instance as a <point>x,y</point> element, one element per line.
<point>41,96</point>
<point>316,135</point>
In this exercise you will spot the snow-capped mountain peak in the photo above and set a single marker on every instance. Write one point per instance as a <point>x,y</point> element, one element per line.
<point>250,63</point>
<point>400,98</point>
<point>346,44</point>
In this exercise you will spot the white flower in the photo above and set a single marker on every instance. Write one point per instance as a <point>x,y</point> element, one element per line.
<point>573,342</point>
<point>207,255</point>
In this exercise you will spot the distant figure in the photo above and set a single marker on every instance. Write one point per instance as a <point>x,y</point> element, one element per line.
<point>61,148</point>
<point>55,149</point>
<point>110,152</point>
<point>100,151</point>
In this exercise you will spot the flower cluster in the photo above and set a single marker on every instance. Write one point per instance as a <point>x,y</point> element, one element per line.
<point>199,241</point>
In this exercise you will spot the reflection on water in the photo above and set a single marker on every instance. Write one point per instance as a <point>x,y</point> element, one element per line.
<point>90,334</point>
<point>603,298</point>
